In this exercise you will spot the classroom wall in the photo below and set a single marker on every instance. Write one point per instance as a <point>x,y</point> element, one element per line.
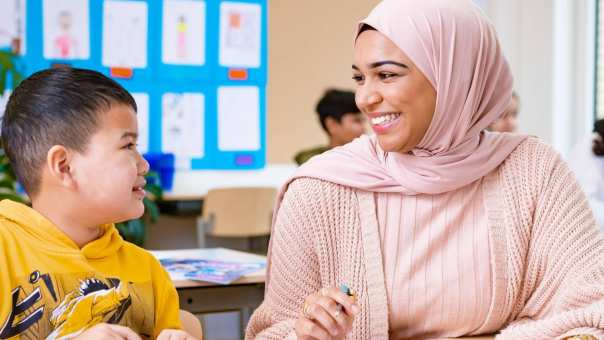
<point>310,49</point>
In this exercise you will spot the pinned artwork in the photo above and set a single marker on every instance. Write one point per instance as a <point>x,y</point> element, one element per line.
<point>183,36</point>
<point>238,118</point>
<point>66,29</point>
<point>12,25</point>
<point>240,34</point>
<point>183,125</point>
<point>125,34</point>
<point>3,101</point>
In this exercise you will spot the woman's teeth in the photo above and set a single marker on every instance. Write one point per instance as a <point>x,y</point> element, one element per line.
<point>384,118</point>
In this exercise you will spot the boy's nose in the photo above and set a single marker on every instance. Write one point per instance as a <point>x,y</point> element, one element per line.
<point>143,166</point>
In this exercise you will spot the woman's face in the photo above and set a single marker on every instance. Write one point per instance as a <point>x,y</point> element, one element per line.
<point>392,92</point>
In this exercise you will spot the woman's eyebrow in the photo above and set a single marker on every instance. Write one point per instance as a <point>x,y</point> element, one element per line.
<point>382,63</point>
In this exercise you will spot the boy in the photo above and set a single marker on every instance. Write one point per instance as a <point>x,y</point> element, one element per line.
<point>340,118</point>
<point>64,270</point>
<point>507,121</point>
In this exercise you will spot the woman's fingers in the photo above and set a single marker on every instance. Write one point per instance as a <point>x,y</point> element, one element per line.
<point>348,302</point>
<point>308,330</point>
<point>336,313</point>
<point>327,314</point>
<point>319,313</point>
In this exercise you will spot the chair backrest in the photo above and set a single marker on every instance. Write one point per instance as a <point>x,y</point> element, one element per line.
<point>239,212</point>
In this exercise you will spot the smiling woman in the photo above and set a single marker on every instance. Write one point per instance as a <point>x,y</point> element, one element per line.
<point>394,94</point>
<point>442,228</point>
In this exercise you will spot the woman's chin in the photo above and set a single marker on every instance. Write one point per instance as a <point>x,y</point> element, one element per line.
<point>392,144</point>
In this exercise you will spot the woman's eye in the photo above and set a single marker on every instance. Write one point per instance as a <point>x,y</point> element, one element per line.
<point>130,146</point>
<point>357,78</point>
<point>386,75</point>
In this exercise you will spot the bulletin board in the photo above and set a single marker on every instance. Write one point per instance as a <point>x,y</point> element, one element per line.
<point>196,68</point>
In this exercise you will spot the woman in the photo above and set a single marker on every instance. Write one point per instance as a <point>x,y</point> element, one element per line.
<point>441,228</point>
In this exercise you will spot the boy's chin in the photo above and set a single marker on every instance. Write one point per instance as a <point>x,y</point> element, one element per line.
<point>133,214</point>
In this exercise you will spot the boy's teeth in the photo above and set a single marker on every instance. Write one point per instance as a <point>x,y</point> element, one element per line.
<point>385,118</point>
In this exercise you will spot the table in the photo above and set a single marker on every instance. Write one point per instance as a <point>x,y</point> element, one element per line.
<point>243,295</point>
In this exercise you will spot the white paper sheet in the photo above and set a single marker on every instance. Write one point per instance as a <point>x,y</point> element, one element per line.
<point>238,118</point>
<point>183,126</point>
<point>3,101</point>
<point>125,34</point>
<point>142,117</point>
<point>12,23</point>
<point>183,37</point>
<point>240,29</point>
<point>66,29</point>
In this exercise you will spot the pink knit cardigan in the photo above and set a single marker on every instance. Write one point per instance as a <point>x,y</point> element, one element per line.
<point>547,254</point>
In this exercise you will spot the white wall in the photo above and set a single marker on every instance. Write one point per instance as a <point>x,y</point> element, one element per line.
<point>549,44</point>
<point>310,49</point>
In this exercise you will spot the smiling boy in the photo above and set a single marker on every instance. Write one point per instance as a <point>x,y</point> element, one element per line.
<point>65,272</point>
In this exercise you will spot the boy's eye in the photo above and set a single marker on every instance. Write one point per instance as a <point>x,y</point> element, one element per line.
<point>130,146</point>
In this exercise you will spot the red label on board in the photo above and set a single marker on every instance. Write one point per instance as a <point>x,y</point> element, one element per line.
<point>238,74</point>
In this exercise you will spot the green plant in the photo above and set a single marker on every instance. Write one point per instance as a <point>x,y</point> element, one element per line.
<point>134,230</point>
<point>8,181</point>
<point>9,65</point>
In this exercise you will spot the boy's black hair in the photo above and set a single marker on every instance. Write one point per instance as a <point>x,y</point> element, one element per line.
<point>335,104</point>
<point>58,106</point>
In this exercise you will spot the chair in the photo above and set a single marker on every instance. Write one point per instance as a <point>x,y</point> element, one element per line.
<point>241,212</point>
<point>191,324</point>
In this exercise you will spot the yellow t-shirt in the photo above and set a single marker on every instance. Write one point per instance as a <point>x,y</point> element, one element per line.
<point>51,288</point>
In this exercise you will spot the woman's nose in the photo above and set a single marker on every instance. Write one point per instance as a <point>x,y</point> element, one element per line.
<point>366,97</point>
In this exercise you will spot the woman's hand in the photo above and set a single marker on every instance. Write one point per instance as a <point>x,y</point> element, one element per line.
<point>327,314</point>
<point>106,331</point>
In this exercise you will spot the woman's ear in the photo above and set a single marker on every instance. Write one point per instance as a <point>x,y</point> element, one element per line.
<point>58,166</point>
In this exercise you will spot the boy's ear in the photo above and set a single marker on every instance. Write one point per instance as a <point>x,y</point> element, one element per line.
<point>331,124</point>
<point>58,164</point>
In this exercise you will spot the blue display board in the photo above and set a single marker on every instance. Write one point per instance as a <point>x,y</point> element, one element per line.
<point>208,107</point>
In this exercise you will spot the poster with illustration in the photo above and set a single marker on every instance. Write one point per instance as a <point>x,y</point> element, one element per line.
<point>183,33</point>
<point>240,34</point>
<point>238,118</point>
<point>12,24</point>
<point>183,125</point>
<point>66,29</point>
<point>142,117</point>
<point>125,34</point>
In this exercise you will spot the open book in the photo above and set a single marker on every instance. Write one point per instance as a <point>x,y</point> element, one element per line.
<point>217,265</point>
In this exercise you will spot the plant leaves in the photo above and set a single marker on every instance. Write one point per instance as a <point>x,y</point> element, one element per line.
<point>151,210</point>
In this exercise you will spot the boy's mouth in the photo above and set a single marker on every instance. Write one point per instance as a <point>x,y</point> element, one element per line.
<point>140,188</point>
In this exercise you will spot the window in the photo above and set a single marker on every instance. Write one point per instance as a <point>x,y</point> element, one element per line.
<point>599,97</point>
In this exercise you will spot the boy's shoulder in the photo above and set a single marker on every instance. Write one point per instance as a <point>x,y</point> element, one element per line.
<point>142,255</point>
<point>8,228</point>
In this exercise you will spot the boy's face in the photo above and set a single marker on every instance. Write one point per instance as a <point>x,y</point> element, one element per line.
<point>350,127</point>
<point>109,175</point>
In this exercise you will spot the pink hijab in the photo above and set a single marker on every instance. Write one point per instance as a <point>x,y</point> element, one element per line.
<point>456,48</point>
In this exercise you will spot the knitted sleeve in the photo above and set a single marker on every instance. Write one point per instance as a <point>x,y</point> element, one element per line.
<point>559,257</point>
<point>293,270</point>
